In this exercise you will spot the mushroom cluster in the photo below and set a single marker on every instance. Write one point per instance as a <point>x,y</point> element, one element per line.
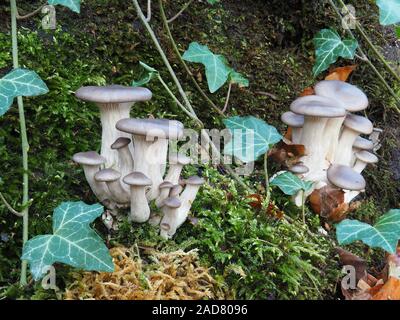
<point>325,123</point>
<point>131,169</point>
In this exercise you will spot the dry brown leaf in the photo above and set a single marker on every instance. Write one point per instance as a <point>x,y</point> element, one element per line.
<point>349,259</point>
<point>328,202</point>
<point>389,291</point>
<point>287,153</point>
<point>307,92</point>
<point>341,73</point>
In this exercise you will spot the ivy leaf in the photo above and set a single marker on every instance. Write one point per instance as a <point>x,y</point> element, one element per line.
<point>389,11</point>
<point>291,184</point>
<point>73,242</point>
<point>19,82</point>
<point>384,234</point>
<point>74,5</point>
<point>150,74</point>
<point>251,137</point>
<point>239,79</point>
<point>329,47</point>
<point>217,70</point>
<point>212,1</point>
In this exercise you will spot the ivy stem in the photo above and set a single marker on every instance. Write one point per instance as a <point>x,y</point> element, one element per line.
<point>303,205</point>
<point>24,141</point>
<point>227,97</point>
<point>185,66</point>
<point>185,6</point>
<point>361,30</point>
<point>267,190</point>
<point>9,207</point>
<point>28,15</point>
<point>365,58</point>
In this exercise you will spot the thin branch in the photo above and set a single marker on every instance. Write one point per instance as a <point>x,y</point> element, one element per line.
<point>148,18</point>
<point>9,207</point>
<point>227,97</point>
<point>178,54</point>
<point>31,14</point>
<point>180,12</point>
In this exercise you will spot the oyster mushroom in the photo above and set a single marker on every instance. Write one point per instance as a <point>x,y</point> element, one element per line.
<point>150,137</point>
<point>349,97</point>
<point>295,122</point>
<point>125,160</point>
<point>359,145</point>
<point>353,126</point>
<point>140,210</point>
<point>316,110</point>
<point>114,103</point>
<point>168,225</point>
<point>91,162</point>
<point>176,190</point>
<point>176,164</point>
<point>165,188</point>
<point>112,178</point>
<point>363,159</point>
<point>299,169</point>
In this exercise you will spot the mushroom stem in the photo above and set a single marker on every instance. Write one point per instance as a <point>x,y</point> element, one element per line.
<point>110,114</point>
<point>359,166</point>
<point>99,188</point>
<point>140,210</point>
<point>331,137</point>
<point>296,135</point>
<point>118,192</point>
<point>344,152</point>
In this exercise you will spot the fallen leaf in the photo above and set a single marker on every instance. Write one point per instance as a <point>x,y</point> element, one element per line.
<point>307,92</point>
<point>287,153</point>
<point>341,73</point>
<point>257,200</point>
<point>389,291</point>
<point>349,259</point>
<point>328,202</point>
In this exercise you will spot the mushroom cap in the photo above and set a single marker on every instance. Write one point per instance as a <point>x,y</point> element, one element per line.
<point>113,94</point>
<point>90,158</point>
<point>349,95</point>
<point>137,179</point>
<point>172,202</point>
<point>178,158</point>
<point>366,157</point>
<point>292,119</point>
<point>195,180</point>
<point>358,123</point>
<point>175,190</point>
<point>299,169</point>
<point>120,143</point>
<point>345,177</point>
<point>364,144</point>
<point>166,185</point>
<point>107,175</point>
<point>164,128</point>
<point>317,106</point>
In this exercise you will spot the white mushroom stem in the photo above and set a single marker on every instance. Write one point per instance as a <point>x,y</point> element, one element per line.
<point>349,195</point>
<point>296,135</point>
<point>331,137</point>
<point>125,164</point>
<point>140,210</point>
<point>344,151</point>
<point>174,172</point>
<point>169,222</point>
<point>187,197</point>
<point>110,114</point>
<point>118,193</point>
<point>311,138</point>
<point>157,165</point>
<point>99,188</point>
<point>164,194</point>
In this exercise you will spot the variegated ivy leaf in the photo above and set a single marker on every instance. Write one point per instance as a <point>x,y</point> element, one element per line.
<point>384,234</point>
<point>251,137</point>
<point>217,69</point>
<point>149,75</point>
<point>329,47</point>
<point>73,242</point>
<point>19,82</point>
<point>389,11</point>
<point>74,5</point>
<point>291,184</point>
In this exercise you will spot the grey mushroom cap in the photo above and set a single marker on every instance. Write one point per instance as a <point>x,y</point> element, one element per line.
<point>352,98</point>
<point>364,144</point>
<point>179,158</point>
<point>90,158</point>
<point>299,169</point>
<point>166,185</point>
<point>137,179</point>
<point>346,178</point>
<point>107,175</point>
<point>358,123</point>
<point>366,157</point>
<point>176,190</point>
<point>113,94</point>
<point>120,143</point>
<point>172,202</point>
<point>168,129</point>
<point>195,180</point>
<point>317,106</point>
<point>292,119</point>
